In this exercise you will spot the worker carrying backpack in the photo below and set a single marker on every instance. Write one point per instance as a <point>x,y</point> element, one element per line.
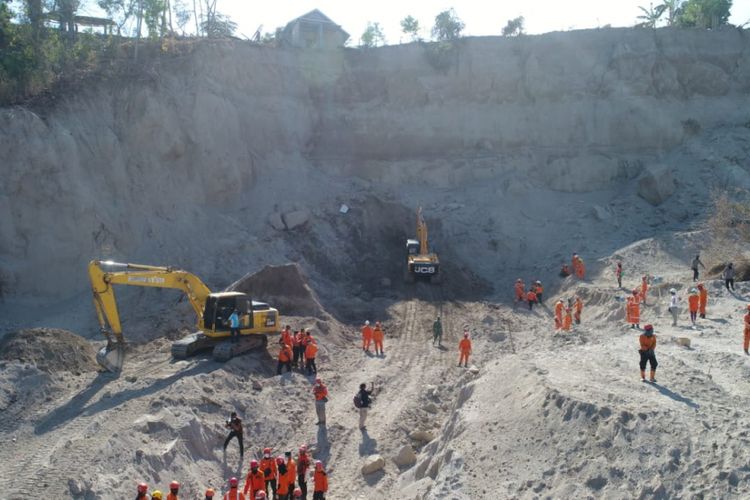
<point>357,401</point>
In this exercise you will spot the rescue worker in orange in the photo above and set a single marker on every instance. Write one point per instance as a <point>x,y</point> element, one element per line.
<point>366,336</point>
<point>286,336</point>
<point>559,307</point>
<point>644,288</point>
<point>539,290</point>
<point>703,300</point>
<point>303,463</point>
<point>234,493</point>
<point>310,352</point>
<point>377,336</point>
<point>174,490</point>
<point>209,495</point>
<point>285,359</point>
<point>577,310</point>
<point>567,319</point>
<point>531,298</point>
<point>320,481</point>
<point>747,330</point>
<point>633,310</point>
<point>268,466</point>
<point>581,271</point>
<point>520,290</point>
<point>464,347</point>
<point>693,304</point>
<point>291,469</point>
<point>142,490</point>
<point>284,483</point>
<point>320,391</point>
<point>647,342</point>
<point>255,480</point>
<point>574,264</point>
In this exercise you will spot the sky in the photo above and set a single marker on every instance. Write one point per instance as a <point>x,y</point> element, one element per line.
<point>481,17</point>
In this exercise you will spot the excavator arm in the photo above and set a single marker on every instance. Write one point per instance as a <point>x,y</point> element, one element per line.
<point>112,356</point>
<point>422,233</point>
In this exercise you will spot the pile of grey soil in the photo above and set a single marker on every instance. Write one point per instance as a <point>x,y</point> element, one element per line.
<point>50,349</point>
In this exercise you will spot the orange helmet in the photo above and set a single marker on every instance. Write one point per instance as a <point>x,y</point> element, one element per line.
<point>303,449</point>
<point>266,451</point>
<point>210,493</point>
<point>279,460</point>
<point>253,464</point>
<point>233,482</point>
<point>174,485</point>
<point>142,488</point>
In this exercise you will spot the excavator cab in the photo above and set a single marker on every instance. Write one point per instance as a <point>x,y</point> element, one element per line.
<point>219,307</point>
<point>420,261</point>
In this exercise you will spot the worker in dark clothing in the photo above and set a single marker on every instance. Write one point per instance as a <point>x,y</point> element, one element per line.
<point>437,332</point>
<point>365,401</point>
<point>694,266</point>
<point>234,424</point>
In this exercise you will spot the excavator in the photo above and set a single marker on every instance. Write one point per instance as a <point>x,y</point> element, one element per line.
<point>212,311</point>
<point>420,262</point>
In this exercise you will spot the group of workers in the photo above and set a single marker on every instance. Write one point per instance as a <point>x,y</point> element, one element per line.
<point>297,349</point>
<point>566,314</point>
<point>534,295</point>
<point>373,336</point>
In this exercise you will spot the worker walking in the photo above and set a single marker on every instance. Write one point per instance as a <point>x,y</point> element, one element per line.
<point>174,490</point>
<point>255,480</point>
<point>464,347</point>
<point>320,391</point>
<point>284,483</point>
<point>520,290</point>
<point>437,332</point>
<point>559,307</point>
<point>577,310</point>
<point>693,303</point>
<point>647,342</point>
<point>142,492</point>
<point>364,404</point>
<point>234,325</point>
<point>618,274</point>
<point>633,310</point>
<point>303,464</point>
<point>377,337</point>
<point>747,330</point>
<point>728,276</point>
<point>268,466</point>
<point>320,481</point>
<point>703,300</point>
<point>694,266</point>
<point>285,359</point>
<point>366,336</point>
<point>311,350</point>
<point>673,305</point>
<point>234,424</point>
<point>234,493</point>
<point>644,288</point>
<point>531,298</point>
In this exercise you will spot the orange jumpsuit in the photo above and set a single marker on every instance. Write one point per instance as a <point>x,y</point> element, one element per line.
<point>747,331</point>
<point>171,496</point>
<point>559,306</point>
<point>581,271</point>
<point>644,289</point>
<point>268,466</point>
<point>633,310</point>
<point>567,320</point>
<point>291,472</point>
<point>311,350</point>
<point>464,346</point>
<point>520,290</point>
<point>703,296</point>
<point>284,483</point>
<point>320,481</point>
<point>693,302</point>
<point>377,337</point>
<point>286,337</point>
<point>255,482</point>
<point>366,337</point>
<point>578,308</point>
<point>234,494</point>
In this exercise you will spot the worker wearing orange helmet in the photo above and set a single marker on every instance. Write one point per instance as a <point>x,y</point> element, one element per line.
<point>209,495</point>
<point>644,288</point>
<point>234,493</point>
<point>311,350</point>
<point>702,300</point>
<point>320,481</point>
<point>531,298</point>
<point>255,480</point>
<point>320,391</point>
<point>567,319</point>
<point>377,337</point>
<point>520,290</point>
<point>366,336</point>
<point>647,342</point>
<point>464,347</point>
<point>268,466</point>
<point>559,307</point>
<point>747,330</point>
<point>633,310</point>
<point>303,464</point>
<point>174,490</point>
<point>285,359</point>
<point>142,492</point>
<point>577,310</point>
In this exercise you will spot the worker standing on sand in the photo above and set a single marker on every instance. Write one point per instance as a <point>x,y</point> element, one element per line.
<point>694,266</point>
<point>255,480</point>
<point>142,492</point>
<point>567,319</point>
<point>437,332</point>
<point>644,288</point>
<point>291,469</point>
<point>305,339</point>
<point>559,307</point>
<point>693,303</point>
<point>234,325</point>
<point>320,482</point>
<point>364,403</point>
<point>574,263</point>
<point>747,330</point>
<point>234,424</point>
<point>581,272</point>
<point>234,493</point>
<point>618,274</point>
<point>673,305</point>
<point>377,337</point>
<point>531,298</point>
<point>647,345</point>
<point>285,359</point>
<point>310,352</point>
<point>296,342</point>
<point>728,276</point>
<point>303,464</point>
<point>538,290</point>
<point>268,466</point>
<point>284,483</point>
<point>464,347</point>
<point>520,290</point>
<point>703,300</point>
<point>320,391</point>
<point>286,336</point>
<point>174,490</point>
<point>633,310</point>
<point>577,310</point>
<point>366,336</point>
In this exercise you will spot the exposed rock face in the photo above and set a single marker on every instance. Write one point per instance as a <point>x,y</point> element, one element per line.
<point>656,185</point>
<point>373,463</point>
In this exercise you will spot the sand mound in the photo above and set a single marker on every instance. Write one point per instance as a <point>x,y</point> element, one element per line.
<point>283,287</point>
<point>50,349</point>
<point>741,270</point>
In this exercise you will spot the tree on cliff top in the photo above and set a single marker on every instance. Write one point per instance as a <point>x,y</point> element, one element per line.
<point>447,26</point>
<point>650,16</point>
<point>373,36</point>
<point>704,13</point>
<point>410,26</point>
<point>514,27</point>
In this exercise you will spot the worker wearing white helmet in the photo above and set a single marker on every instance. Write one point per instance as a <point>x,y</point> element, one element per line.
<point>366,336</point>
<point>673,307</point>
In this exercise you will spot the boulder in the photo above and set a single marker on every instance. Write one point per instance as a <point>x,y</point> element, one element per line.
<point>422,436</point>
<point>295,219</point>
<point>431,408</point>
<point>405,456</point>
<point>683,341</point>
<point>656,184</point>
<point>276,221</point>
<point>373,463</point>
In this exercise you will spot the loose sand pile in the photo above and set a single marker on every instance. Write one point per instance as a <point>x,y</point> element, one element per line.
<point>50,349</point>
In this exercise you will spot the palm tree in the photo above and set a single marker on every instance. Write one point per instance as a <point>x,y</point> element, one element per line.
<point>672,8</point>
<point>651,16</point>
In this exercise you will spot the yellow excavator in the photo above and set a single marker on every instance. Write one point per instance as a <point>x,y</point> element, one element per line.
<point>212,311</point>
<point>420,262</point>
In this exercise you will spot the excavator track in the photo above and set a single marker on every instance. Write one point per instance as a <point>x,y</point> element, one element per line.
<point>223,349</point>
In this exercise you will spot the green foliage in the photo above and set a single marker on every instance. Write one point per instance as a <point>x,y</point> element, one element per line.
<point>704,13</point>
<point>447,26</point>
<point>672,8</point>
<point>410,26</point>
<point>442,55</point>
<point>372,36</point>
<point>650,16</point>
<point>514,27</point>
<point>219,26</point>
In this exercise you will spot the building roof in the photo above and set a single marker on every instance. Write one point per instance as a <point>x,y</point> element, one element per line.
<point>315,16</point>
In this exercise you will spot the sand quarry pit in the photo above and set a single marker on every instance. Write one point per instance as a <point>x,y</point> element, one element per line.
<point>516,163</point>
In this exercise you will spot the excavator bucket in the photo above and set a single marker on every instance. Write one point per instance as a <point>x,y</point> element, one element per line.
<point>111,357</point>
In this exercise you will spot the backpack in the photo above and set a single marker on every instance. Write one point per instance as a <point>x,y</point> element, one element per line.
<point>357,401</point>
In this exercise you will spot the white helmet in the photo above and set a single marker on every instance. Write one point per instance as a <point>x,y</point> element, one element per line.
<point>367,322</point>
<point>672,291</point>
